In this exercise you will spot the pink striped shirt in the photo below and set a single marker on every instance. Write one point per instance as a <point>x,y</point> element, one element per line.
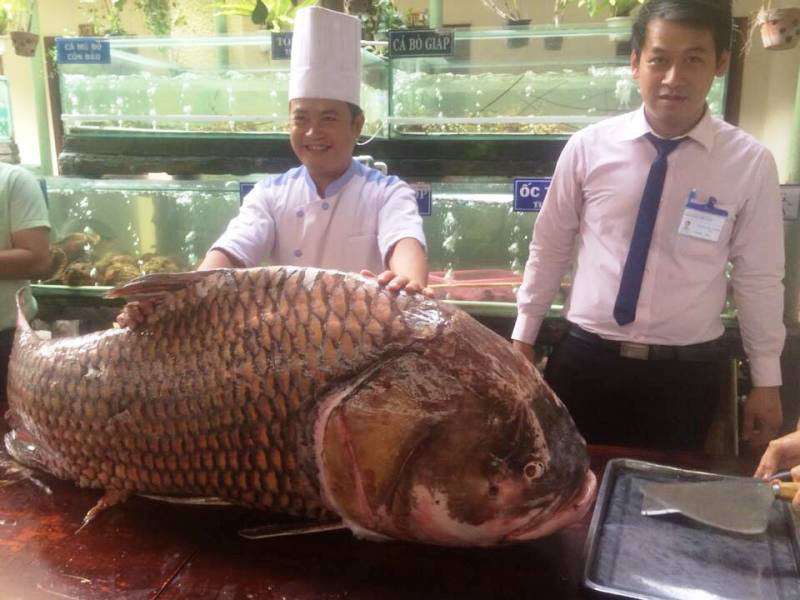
<point>589,214</point>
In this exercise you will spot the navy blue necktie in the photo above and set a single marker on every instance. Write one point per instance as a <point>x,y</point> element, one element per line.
<point>632,273</point>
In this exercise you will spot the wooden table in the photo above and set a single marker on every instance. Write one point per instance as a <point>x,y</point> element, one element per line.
<point>148,549</point>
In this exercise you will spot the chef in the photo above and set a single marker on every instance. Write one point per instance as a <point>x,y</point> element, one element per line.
<point>331,212</point>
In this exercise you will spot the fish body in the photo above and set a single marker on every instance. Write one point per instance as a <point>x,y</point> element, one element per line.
<point>309,392</point>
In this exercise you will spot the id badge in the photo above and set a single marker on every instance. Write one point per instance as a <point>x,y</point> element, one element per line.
<point>702,221</point>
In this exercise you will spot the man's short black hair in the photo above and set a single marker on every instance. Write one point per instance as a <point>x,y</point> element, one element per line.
<point>354,111</point>
<point>714,15</point>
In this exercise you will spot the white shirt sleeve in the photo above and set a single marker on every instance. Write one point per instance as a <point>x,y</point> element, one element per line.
<point>553,242</point>
<point>757,255</point>
<point>250,236</point>
<point>398,218</point>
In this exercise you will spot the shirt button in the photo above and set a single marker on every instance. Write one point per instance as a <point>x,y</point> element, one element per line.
<point>300,214</point>
<point>298,253</point>
<point>325,206</point>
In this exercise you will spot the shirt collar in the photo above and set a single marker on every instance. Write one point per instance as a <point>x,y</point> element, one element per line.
<point>335,186</point>
<point>702,132</point>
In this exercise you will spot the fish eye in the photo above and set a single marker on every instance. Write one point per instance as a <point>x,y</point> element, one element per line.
<point>534,470</point>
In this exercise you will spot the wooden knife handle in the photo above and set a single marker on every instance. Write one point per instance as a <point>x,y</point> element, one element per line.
<point>785,490</point>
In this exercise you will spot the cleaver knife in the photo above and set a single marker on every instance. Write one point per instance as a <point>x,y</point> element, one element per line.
<point>739,504</point>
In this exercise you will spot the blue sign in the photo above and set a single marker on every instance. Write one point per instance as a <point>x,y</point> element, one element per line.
<point>83,51</point>
<point>420,42</point>
<point>424,198</point>
<point>244,189</point>
<point>529,193</point>
<point>280,45</point>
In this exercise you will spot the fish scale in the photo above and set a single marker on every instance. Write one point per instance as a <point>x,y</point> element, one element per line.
<point>161,377</point>
<point>309,392</point>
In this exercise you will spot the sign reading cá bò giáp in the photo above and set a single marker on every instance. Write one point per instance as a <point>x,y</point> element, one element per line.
<point>420,42</point>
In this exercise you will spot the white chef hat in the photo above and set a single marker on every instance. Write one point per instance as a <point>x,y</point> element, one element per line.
<point>326,56</point>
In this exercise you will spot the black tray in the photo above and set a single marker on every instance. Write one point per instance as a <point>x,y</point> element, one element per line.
<point>670,556</point>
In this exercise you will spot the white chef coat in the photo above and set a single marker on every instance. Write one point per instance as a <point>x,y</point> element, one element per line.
<point>354,226</point>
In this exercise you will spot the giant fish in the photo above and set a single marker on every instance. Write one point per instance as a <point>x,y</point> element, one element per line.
<point>309,392</point>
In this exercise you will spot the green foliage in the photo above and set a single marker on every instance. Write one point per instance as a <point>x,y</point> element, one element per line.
<point>381,16</point>
<point>616,8</point>
<point>105,15</point>
<point>15,15</point>
<point>275,15</point>
<point>160,16</point>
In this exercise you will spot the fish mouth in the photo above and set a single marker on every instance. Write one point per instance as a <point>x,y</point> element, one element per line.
<point>571,511</point>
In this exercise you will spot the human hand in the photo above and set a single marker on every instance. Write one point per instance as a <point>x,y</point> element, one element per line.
<point>762,417</point>
<point>526,349</point>
<point>131,316</point>
<point>394,283</point>
<point>781,453</point>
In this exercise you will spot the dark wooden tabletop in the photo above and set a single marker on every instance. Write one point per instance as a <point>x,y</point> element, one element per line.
<point>148,549</point>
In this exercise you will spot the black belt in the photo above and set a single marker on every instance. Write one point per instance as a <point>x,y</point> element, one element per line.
<point>704,352</point>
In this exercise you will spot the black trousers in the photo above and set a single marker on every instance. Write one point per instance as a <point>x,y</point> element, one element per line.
<point>614,400</point>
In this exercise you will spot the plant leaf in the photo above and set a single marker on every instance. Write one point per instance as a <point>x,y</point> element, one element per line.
<point>260,13</point>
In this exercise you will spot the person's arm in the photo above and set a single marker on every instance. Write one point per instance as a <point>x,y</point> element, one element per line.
<point>551,248</point>
<point>401,240</point>
<point>408,269</point>
<point>29,256</point>
<point>757,255</point>
<point>218,259</point>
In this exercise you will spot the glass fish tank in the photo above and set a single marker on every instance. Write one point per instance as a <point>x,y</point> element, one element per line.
<point>519,81</point>
<point>222,84</point>
<point>105,232</point>
<point>6,127</point>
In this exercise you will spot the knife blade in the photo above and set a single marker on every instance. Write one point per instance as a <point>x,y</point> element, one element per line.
<point>739,504</point>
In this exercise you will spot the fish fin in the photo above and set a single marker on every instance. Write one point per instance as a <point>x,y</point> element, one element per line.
<point>190,500</point>
<point>21,446</point>
<point>22,322</point>
<point>286,529</point>
<point>158,285</point>
<point>109,499</point>
<point>13,472</point>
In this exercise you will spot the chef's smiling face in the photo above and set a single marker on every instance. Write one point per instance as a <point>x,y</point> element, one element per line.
<point>675,69</point>
<point>323,135</point>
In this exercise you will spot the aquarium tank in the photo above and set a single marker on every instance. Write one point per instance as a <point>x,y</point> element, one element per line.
<point>520,81</point>
<point>106,232</point>
<point>6,127</point>
<point>222,84</point>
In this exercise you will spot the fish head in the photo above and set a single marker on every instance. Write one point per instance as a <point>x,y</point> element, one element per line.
<point>473,450</point>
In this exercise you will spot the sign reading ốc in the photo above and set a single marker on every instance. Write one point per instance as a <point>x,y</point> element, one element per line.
<point>529,193</point>
<point>83,51</point>
<point>420,42</point>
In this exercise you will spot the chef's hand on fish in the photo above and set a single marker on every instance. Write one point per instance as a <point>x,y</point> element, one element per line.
<point>395,283</point>
<point>132,316</point>
<point>762,417</point>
